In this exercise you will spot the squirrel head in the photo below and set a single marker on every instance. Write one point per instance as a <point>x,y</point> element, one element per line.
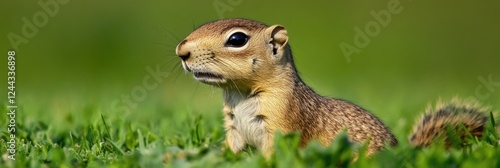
<point>234,52</point>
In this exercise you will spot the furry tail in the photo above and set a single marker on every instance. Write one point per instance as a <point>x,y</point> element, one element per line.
<point>437,122</point>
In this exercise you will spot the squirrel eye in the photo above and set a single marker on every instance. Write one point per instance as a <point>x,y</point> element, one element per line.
<point>237,39</point>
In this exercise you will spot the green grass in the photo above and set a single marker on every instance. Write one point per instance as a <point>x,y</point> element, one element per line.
<point>196,140</point>
<point>80,62</point>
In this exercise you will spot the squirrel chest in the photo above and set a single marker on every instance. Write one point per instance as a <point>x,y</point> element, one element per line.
<point>243,118</point>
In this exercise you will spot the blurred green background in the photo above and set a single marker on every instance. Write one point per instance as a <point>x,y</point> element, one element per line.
<point>91,53</point>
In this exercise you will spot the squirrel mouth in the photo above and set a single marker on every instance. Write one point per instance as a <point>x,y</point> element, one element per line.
<point>207,77</point>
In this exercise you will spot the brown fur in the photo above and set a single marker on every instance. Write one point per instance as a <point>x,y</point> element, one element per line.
<point>433,123</point>
<point>263,92</point>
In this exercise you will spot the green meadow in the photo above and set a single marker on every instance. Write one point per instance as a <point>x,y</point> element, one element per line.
<point>98,83</point>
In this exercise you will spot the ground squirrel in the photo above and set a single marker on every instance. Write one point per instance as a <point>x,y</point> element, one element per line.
<point>263,93</point>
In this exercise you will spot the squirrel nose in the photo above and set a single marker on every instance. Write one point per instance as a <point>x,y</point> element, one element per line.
<point>186,56</point>
<point>182,51</point>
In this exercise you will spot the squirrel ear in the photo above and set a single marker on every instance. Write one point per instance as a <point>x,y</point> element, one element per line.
<point>278,38</point>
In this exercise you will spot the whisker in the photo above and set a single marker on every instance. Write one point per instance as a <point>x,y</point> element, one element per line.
<point>168,52</point>
<point>236,86</point>
<point>163,44</point>
<point>169,64</point>
<point>177,74</point>
<point>173,67</point>
<point>178,68</point>
<point>171,59</point>
<point>176,39</point>
<point>192,22</point>
<point>228,66</point>
<point>195,89</point>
